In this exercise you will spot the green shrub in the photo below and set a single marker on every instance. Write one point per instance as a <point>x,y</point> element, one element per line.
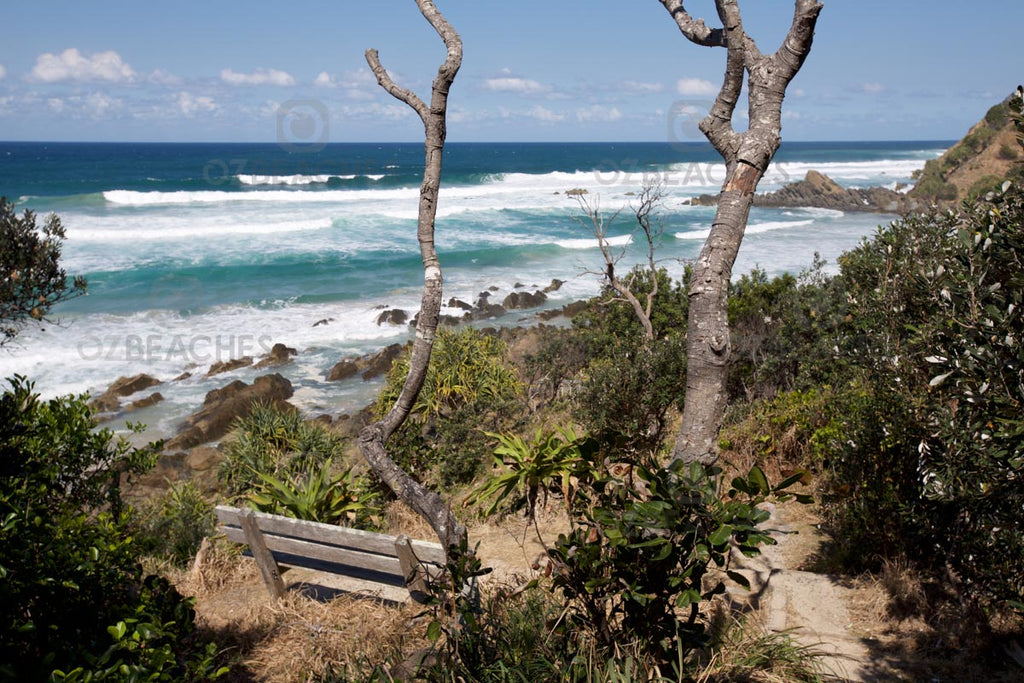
<point>982,186</point>
<point>998,115</point>
<point>69,566</point>
<point>319,495</point>
<point>1008,153</point>
<point>640,548</point>
<point>172,526</point>
<point>275,442</point>
<point>470,388</point>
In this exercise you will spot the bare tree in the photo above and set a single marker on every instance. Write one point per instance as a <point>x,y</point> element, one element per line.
<point>373,438</point>
<point>746,156</point>
<point>647,203</point>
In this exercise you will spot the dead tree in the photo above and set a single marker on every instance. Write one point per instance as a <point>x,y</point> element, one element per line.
<point>746,156</point>
<point>648,201</point>
<point>373,438</point>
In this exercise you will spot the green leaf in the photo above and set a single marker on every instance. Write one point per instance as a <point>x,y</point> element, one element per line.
<point>434,631</point>
<point>758,479</point>
<point>739,578</point>
<point>721,535</point>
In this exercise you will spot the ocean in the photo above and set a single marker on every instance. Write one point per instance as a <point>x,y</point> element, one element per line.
<point>197,253</point>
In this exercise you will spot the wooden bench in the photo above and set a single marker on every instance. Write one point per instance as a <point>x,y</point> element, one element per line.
<point>373,559</point>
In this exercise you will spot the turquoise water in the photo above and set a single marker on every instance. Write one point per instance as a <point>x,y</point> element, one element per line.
<point>200,252</point>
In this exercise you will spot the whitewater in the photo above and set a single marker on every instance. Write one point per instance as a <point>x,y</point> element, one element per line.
<point>202,253</point>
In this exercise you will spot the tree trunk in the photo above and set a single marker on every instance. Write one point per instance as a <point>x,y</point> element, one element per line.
<point>747,156</point>
<point>373,438</point>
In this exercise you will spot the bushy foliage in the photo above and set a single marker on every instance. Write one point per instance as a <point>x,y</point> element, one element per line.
<point>31,279</point>
<point>274,442</point>
<point>318,495</point>
<point>641,545</point>
<point>69,567</point>
<point>470,388</point>
<point>173,525</point>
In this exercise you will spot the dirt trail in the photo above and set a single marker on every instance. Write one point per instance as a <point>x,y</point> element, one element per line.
<point>812,607</point>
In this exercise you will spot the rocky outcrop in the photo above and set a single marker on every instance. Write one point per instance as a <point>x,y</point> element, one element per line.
<point>146,402</point>
<point>110,400</point>
<point>225,405</point>
<point>817,190</point>
<point>521,300</point>
<point>229,365</point>
<point>279,355</point>
<point>393,316</point>
<point>460,304</point>
<point>367,367</point>
<point>555,285</point>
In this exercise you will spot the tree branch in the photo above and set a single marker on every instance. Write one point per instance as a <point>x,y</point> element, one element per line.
<point>694,30</point>
<point>372,439</point>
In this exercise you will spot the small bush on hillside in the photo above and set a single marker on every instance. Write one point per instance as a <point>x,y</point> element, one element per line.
<point>73,600</point>
<point>470,387</point>
<point>172,526</point>
<point>275,442</point>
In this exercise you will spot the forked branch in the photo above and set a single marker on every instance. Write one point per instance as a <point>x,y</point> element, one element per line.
<point>373,438</point>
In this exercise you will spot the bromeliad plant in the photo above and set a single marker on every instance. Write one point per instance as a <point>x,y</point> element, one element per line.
<point>632,568</point>
<point>549,460</point>
<point>318,496</point>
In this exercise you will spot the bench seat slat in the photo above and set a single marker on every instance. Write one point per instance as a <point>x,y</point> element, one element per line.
<point>342,537</point>
<point>298,549</point>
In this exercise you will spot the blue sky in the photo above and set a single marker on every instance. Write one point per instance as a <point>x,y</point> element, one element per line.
<point>534,70</point>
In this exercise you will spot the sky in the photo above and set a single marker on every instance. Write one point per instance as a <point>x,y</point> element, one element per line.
<point>533,70</point>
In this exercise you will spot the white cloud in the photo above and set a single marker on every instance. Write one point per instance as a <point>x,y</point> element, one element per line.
<point>3,72</point>
<point>695,87</point>
<point>641,88</point>
<point>598,113</point>
<point>257,77</point>
<point>357,85</point>
<point>376,111</point>
<point>72,65</point>
<point>872,88</point>
<point>522,86</point>
<point>161,77</point>
<point>545,115</point>
<point>94,105</point>
<point>190,104</point>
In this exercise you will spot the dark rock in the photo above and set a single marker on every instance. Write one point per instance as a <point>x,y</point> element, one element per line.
<point>225,405</point>
<point>518,285</point>
<point>555,285</point>
<point>202,458</point>
<point>571,309</point>
<point>493,288</point>
<point>485,310</point>
<point>393,316</point>
<point>819,191</point>
<point>184,375</point>
<point>323,321</point>
<point>380,362</point>
<point>279,355</point>
<point>229,365</point>
<point>109,401</point>
<point>150,400</point>
<point>368,367</point>
<point>343,369</point>
<point>459,303</point>
<point>519,300</point>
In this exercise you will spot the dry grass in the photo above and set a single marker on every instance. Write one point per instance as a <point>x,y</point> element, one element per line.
<point>297,638</point>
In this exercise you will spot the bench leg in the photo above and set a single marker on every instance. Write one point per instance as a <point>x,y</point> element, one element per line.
<point>264,560</point>
<point>414,573</point>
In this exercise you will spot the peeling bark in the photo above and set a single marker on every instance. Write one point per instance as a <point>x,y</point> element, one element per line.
<point>747,156</point>
<point>373,438</point>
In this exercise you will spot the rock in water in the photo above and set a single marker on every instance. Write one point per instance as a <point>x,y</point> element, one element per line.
<point>279,355</point>
<point>109,400</point>
<point>223,406</point>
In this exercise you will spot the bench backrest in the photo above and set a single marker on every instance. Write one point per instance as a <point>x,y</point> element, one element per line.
<point>378,558</point>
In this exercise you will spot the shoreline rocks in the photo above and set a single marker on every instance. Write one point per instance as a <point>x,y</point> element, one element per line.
<point>819,191</point>
<point>223,406</point>
<point>110,400</point>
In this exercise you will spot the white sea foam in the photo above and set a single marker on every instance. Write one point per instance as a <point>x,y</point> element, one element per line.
<point>591,242</point>
<point>752,229</point>
<point>288,179</point>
